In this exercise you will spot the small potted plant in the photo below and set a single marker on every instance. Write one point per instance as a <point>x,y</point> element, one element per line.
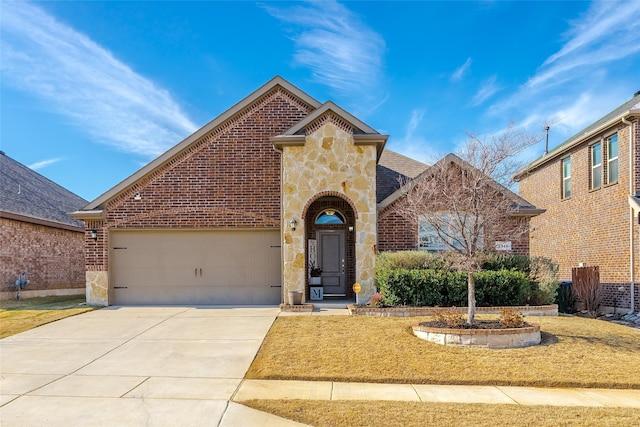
<point>315,273</point>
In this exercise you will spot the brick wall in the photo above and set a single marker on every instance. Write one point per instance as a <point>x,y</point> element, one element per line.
<point>395,233</point>
<point>53,256</point>
<point>591,226</point>
<point>228,178</point>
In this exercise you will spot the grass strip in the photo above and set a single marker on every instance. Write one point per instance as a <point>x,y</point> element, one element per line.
<point>416,414</point>
<point>19,316</point>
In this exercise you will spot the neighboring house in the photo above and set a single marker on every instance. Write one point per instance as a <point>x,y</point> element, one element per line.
<point>589,187</point>
<point>37,235</point>
<point>397,233</point>
<point>239,212</point>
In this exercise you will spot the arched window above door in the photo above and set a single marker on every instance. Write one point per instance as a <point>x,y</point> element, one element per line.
<point>330,216</point>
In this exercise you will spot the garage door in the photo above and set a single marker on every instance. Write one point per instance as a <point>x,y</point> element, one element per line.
<point>195,267</point>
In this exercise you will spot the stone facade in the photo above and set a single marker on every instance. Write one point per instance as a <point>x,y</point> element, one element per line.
<point>329,164</point>
<point>53,256</point>
<point>591,226</point>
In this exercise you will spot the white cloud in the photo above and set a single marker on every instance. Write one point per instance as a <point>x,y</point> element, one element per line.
<point>486,91</point>
<point>82,80</point>
<point>582,81</point>
<point>43,163</point>
<point>461,71</point>
<point>414,145</point>
<point>341,51</point>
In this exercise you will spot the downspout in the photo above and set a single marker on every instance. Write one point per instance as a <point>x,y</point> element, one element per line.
<point>631,193</point>
<point>282,224</point>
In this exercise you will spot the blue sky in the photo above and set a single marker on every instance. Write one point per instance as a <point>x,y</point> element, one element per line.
<point>91,91</point>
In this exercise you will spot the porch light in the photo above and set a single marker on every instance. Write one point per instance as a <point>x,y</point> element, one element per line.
<point>293,223</point>
<point>330,212</point>
<point>94,234</point>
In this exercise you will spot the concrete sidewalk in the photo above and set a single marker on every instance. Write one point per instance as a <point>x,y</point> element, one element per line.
<point>325,390</point>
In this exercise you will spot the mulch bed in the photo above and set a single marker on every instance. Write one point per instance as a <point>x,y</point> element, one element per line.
<point>479,324</point>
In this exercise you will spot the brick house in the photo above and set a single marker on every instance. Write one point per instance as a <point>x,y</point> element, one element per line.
<point>37,235</point>
<point>589,187</point>
<point>510,233</point>
<point>240,211</point>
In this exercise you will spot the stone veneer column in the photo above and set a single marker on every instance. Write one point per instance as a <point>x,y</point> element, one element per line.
<point>97,288</point>
<point>329,161</point>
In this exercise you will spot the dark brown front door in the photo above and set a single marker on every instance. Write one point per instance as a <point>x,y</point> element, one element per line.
<point>331,257</point>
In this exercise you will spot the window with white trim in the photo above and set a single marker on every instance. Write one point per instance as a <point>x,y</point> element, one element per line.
<point>566,178</point>
<point>596,166</point>
<point>612,159</point>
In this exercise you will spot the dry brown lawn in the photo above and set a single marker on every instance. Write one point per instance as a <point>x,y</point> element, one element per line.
<point>415,414</point>
<point>19,316</point>
<point>575,352</point>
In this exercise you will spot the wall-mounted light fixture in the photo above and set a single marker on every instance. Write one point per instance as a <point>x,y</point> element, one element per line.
<point>351,228</point>
<point>293,224</point>
<point>137,196</point>
<point>94,234</point>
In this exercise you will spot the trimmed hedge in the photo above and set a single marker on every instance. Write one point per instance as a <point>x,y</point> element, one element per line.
<point>443,286</point>
<point>446,288</point>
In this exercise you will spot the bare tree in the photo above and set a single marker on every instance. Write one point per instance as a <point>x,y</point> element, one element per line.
<point>465,201</point>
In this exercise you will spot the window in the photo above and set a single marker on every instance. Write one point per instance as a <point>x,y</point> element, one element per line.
<point>566,178</point>
<point>612,159</point>
<point>596,166</point>
<point>450,229</point>
<point>330,216</point>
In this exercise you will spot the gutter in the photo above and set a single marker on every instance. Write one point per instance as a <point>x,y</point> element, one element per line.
<point>558,151</point>
<point>631,234</point>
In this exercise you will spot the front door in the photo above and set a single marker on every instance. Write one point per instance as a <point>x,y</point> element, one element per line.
<point>331,257</point>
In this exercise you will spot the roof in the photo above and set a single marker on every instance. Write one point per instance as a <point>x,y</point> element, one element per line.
<point>629,108</point>
<point>392,168</point>
<point>184,144</point>
<point>520,206</point>
<point>26,195</point>
<point>363,134</point>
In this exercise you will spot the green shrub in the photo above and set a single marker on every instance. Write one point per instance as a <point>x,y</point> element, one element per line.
<point>544,281</point>
<point>495,262</point>
<point>503,287</point>
<point>447,288</point>
<point>412,260</point>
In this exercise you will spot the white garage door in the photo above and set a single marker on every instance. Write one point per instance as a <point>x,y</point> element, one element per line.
<point>195,267</point>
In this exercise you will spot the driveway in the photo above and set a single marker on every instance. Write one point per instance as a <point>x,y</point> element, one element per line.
<point>158,366</point>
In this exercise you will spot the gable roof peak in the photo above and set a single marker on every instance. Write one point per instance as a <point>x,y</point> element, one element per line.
<point>217,122</point>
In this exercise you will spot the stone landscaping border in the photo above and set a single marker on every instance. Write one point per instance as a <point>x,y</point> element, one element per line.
<point>405,311</point>
<point>297,308</point>
<point>487,338</point>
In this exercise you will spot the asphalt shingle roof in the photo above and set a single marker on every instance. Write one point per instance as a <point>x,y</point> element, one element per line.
<point>27,193</point>
<point>392,167</point>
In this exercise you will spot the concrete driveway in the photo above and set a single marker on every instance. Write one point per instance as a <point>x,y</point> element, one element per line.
<point>121,366</point>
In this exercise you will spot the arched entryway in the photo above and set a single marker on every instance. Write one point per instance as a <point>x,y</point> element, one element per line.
<point>330,245</point>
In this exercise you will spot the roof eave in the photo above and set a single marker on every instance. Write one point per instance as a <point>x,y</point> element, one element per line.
<point>520,213</point>
<point>370,139</point>
<point>88,215</point>
<point>40,221</point>
<point>562,149</point>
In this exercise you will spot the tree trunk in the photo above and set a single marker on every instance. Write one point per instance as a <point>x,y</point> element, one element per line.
<point>471,284</point>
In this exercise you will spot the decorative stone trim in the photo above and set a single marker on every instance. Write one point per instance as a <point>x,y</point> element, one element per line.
<point>487,338</point>
<point>527,310</point>
<point>300,308</point>
<point>329,117</point>
<point>329,194</point>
